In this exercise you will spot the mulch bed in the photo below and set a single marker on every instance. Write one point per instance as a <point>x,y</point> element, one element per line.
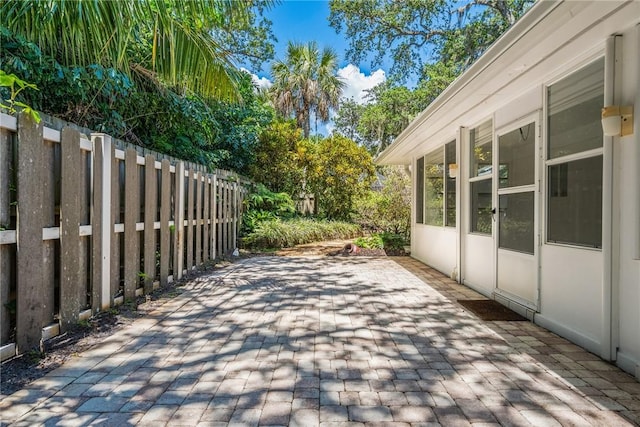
<point>490,310</point>
<point>352,250</point>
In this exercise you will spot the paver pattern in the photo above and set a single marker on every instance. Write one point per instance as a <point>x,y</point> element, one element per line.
<point>327,341</point>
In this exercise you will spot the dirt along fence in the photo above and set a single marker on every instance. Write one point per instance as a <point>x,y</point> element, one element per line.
<point>87,222</point>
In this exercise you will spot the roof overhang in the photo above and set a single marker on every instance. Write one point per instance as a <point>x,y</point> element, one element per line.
<point>510,65</point>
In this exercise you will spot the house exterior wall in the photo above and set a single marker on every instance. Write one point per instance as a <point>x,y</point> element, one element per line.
<point>627,213</point>
<point>588,295</point>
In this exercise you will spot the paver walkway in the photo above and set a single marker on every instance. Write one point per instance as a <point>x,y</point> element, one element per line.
<point>330,342</point>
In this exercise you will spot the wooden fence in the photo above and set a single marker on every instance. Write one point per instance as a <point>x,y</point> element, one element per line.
<point>87,222</point>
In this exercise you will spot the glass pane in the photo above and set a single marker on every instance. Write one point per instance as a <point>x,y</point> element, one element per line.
<point>575,105</point>
<point>516,150</point>
<point>434,190</point>
<point>420,191</point>
<point>575,203</point>
<point>481,139</point>
<point>516,222</point>
<point>451,174</point>
<point>481,206</point>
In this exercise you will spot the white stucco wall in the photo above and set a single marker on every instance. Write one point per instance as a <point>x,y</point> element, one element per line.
<point>627,198</point>
<point>435,246</point>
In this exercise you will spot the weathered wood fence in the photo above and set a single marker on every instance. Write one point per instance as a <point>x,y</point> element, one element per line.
<point>87,222</point>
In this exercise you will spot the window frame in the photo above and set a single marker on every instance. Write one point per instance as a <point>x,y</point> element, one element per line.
<point>421,181</point>
<point>474,177</point>
<point>566,159</point>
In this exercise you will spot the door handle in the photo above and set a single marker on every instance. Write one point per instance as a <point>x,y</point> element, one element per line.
<point>493,214</point>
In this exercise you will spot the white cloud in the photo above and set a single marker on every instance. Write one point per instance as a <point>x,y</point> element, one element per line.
<point>357,82</point>
<point>261,82</point>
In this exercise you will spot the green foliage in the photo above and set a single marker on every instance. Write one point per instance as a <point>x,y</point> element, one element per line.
<point>305,84</point>
<point>390,108</point>
<point>220,134</point>
<point>277,160</point>
<point>338,172</point>
<point>10,81</point>
<point>387,241</point>
<point>282,234</point>
<point>168,41</point>
<point>418,32</point>
<point>389,209</point>
<point>263,205</point>
<point>241,126</point>
<point>370,242</point>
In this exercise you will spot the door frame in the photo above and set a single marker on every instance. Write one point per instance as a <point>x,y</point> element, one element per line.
<point>534,117</point>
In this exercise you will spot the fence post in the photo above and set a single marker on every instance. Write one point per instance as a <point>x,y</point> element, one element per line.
<point>131,217</point>
<point>236,214</point>
<point>72,290</point>
<point>101,222</point>
<point>150,208</point>
<point>117,189</point>
<point>29,248</point>
<point>179,222</point>
<point>165,211</point>
<point>190,194</point>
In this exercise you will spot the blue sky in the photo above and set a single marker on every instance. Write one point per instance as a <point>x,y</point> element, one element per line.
<point>302,21</point>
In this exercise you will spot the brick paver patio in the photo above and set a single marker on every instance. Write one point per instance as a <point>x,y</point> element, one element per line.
<point>331,342</point>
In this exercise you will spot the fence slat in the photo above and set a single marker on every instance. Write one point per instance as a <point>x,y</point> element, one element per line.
<point>131,216</point>
<point>150,209</point>
<point>198,218</point>
<point>100,221</point>
<point>165,214</point>
<point>205,226</point>
<point>6,170</point>
<point>190,204</point>
<point>178,252</point>
<point>30,317</point>
<point>72,295</point>
<point>214,216</point>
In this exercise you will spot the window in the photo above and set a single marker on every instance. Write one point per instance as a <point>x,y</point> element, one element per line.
<point>481,206</point>
<point>420,191</point>
<point>481,139</point>
<point>434,187</point>
<point>575,202</point>
<point>517,157</point>
<point>574,165</point>
<point>517,222</point>
<point>451,172</point>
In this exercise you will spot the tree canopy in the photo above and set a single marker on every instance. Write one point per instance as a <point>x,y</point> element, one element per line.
<point>166,40</point>
<point>305,83</point>
<point>414,33</point>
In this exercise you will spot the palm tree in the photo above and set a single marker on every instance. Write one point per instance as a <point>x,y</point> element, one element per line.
<point>305,83</point>
<point>165,40</point>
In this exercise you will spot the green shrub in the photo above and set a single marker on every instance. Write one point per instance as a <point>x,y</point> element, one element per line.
<point>371,242</point>
<point>394,240</point>
<point>283,234</point>
<point>263,205</point>
<point>387,241</point>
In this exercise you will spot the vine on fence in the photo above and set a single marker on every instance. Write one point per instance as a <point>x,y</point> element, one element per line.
<point>11,81</point>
